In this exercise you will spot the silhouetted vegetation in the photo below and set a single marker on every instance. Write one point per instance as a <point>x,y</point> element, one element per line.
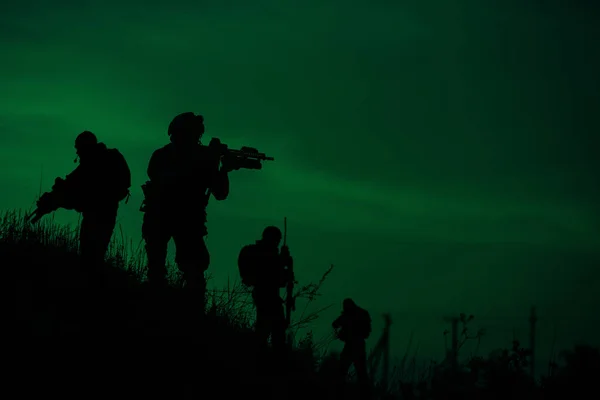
<point>135,341</point>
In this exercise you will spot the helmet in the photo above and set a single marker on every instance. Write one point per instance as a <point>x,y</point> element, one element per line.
<point>271,233</point>
<point>187,123</point>
<point>84,140</point>
<point>349,305</point>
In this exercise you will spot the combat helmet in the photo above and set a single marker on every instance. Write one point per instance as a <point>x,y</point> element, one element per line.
<point>186,127</point>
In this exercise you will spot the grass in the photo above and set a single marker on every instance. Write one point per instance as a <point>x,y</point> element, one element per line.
<point>129,341</point>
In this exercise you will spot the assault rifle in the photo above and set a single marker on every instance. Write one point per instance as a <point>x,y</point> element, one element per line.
<point>244,158</point>
<point>51,201</point>
<point>45,205</point>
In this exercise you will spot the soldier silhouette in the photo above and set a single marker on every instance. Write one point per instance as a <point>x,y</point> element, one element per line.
<point>353,327</point>
<point>95,189</point>
<point>262,266</point>
<point>182,175</point>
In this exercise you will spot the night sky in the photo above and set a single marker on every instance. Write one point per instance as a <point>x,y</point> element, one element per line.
<point>442,154</point>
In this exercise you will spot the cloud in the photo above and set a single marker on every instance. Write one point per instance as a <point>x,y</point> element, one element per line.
<point>335,92</point>
<point>403,212</point>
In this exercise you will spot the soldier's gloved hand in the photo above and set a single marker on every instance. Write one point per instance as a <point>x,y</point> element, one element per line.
<point>43,201</point>
<point>229,164</point>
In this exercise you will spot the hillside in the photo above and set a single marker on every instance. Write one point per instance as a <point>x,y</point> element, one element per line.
<point>125,340</point>
<point>125,325</point>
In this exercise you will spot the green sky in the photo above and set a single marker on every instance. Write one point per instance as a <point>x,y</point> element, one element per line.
<point>442,154</point>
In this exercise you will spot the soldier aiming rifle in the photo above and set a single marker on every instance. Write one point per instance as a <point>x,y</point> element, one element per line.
<point>182,177</point>
<point>244,158</point>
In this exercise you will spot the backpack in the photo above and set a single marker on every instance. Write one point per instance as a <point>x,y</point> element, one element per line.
<point>247,265</point>
<point>120,175</point>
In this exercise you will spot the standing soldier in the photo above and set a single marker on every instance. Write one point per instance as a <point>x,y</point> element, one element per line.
<point>95,188</point>
<point>353,327</point>
<point>182,175</point>
<point>263,267</point>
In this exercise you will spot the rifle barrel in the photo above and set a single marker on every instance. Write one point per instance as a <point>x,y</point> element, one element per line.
<point>251,154</point>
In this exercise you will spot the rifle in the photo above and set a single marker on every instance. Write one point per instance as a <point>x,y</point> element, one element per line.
<point>45,205</point>
<point>290,301</point>
<point>50,202</point>
<point>244,158</point>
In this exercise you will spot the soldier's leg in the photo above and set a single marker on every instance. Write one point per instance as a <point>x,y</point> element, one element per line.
<point>360,365</point>
<point>345,361</point>
<point>156,236</point>
<point>94,238</point>
<point>262,325</point>
<point>192,258</point>
<point>86,244</point>
<point>278,328</point>
<point>106,226</point>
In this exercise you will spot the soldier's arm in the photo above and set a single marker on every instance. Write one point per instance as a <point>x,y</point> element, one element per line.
<point>73,180</point>
<point>284,277</point>
<point>285,258</point>
<point>220,185</point>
